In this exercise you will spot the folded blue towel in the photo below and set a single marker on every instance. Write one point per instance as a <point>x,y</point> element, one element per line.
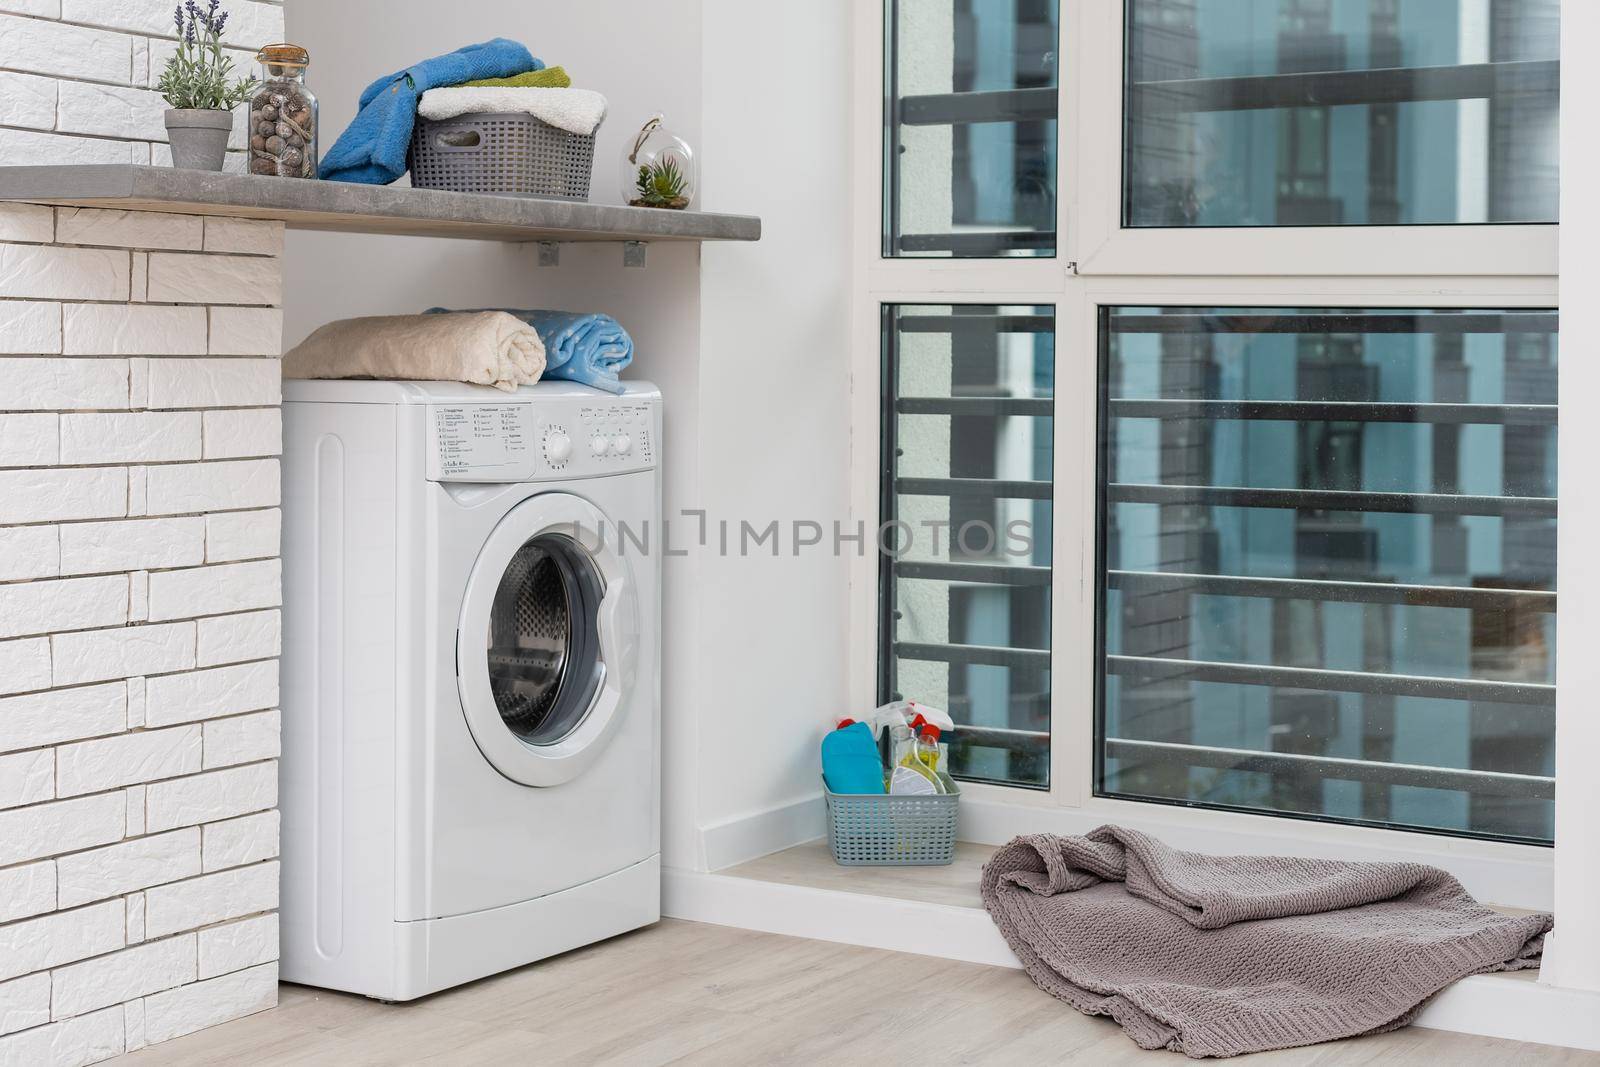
<point>588,348</point>
<point>372,149</point>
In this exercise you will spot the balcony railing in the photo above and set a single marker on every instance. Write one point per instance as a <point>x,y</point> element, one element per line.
<point>1335,88</point>
<point>1164,753</point>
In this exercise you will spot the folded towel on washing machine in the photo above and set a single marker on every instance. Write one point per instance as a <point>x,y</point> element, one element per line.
<point>590,348</point>
<point>485,348</point>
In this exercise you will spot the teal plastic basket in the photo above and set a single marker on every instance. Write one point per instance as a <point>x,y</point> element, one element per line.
<point>879,830</point>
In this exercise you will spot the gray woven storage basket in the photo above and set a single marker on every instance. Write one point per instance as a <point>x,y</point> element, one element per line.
<point>880,830</point>
<point>509,154</point>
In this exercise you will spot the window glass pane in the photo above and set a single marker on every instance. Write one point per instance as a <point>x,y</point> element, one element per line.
<point>1330,112</point>
<point>970,138</point>
<point>1328,560</point>
<point>966,500</point>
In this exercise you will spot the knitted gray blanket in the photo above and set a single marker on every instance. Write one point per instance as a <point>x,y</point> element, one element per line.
<point>1221,955</point>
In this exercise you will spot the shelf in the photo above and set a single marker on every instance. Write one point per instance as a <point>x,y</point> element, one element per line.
<point>347,208</point>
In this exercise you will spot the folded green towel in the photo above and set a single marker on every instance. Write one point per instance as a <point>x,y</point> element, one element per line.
<point>548,78</point>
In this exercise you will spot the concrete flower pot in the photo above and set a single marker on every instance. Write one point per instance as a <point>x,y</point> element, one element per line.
<point>199,137</point>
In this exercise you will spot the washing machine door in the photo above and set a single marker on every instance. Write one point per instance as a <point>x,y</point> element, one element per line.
<point>547,645</point>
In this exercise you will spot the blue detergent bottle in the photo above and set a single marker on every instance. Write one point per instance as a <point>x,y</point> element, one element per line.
<point>850,761</point>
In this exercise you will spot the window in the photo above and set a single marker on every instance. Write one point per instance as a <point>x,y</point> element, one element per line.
<point>1341,112</point>
<point>966,503</point>
<point>970,94</point>
<point>1327,551</point>
<point>1269,368</point>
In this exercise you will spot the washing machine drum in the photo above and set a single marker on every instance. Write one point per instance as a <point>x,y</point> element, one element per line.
<point>544,648</point>
<point>547,641</point>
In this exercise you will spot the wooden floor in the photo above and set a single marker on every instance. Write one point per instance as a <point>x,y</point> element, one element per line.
<point>693,994</point>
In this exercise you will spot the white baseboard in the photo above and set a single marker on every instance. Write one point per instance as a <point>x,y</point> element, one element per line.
<point>1517,1009</point>
<point>748,837</point>
<point>828,915</point>
<point>1503,1006</point>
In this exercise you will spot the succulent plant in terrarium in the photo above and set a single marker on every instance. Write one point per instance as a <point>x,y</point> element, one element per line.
<point>661,183</point>
<point>658,170</point>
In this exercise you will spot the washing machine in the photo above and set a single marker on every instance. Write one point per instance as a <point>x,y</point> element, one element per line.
<point>470,777</point>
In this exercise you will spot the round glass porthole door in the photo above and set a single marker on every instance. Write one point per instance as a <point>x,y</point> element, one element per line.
<point>546,645</point>
<point>543,644</point>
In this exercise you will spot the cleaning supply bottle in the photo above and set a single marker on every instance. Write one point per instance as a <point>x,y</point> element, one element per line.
<point>902,743</point>
<point>928,748</point>
<point>886,717</point>
<point>930,715</point>
<point>915,757</point>
<point>907,710</point>
<point>850,759</point>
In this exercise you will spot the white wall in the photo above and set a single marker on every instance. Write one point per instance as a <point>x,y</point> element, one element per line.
<point>774,411</point>
<point>747,342</point>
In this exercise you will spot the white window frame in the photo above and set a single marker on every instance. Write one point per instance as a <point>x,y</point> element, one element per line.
<point>1099,264</point>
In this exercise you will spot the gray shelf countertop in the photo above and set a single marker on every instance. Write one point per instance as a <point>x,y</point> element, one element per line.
<point>347,208</point>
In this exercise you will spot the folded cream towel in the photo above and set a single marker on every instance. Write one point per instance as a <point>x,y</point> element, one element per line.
<point>484,347</point>
<point>574,110</point>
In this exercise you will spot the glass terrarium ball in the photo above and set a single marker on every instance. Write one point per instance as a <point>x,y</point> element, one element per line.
<point>658,168</point>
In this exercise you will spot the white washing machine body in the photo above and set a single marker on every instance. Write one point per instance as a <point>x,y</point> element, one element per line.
<point>471,729</point>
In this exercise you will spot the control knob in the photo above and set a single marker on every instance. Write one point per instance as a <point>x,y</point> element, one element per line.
<point>558,447</point>
<point>622,444</point>
<point>598,445</point>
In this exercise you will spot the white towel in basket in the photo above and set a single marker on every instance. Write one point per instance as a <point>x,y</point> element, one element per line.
<point>574,110</point>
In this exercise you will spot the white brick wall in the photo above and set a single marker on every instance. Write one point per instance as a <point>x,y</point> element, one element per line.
<point>78,76</point>
<point>139,579</point>
<point>28,326</point>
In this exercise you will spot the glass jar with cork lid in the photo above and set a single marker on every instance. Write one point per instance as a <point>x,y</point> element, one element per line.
<point>283,115</point>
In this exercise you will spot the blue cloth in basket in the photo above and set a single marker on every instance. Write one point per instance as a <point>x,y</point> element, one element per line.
<point>372,149</point>
<point>850,760</point>
<point>588,348</point>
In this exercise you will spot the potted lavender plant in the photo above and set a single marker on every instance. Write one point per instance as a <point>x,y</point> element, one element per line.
<point>196,85</point>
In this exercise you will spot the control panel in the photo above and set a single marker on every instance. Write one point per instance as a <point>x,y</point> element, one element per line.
<point>481,443</point>
<point>524,441</point>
